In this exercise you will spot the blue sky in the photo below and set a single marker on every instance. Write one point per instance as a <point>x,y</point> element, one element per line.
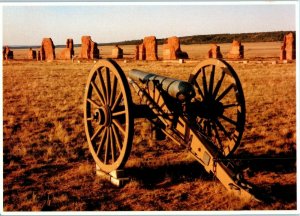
<point>27,25</point>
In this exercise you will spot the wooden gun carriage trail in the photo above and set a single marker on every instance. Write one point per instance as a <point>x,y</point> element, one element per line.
<point>205,114</point>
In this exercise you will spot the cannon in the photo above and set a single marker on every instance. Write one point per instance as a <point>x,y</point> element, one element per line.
<point>205,114</point>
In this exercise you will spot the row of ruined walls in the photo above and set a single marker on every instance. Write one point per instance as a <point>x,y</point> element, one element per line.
<point>147,50</point>
<point>89,50</point>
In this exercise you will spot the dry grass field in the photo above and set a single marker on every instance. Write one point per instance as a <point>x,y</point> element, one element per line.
<point>48,167</point>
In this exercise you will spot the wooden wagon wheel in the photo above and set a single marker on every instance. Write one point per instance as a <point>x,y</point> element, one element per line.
<point>108,115</point>
<point>221,104</point>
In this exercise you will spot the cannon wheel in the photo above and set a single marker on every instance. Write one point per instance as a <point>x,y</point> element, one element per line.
<point>219,94</point>
<point>108,115</point>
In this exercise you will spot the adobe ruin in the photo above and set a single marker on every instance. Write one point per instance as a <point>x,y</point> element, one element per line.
<point>214,51</point>
<point>31,54</point>
<point>117,52</point>
<point>172,51</point>
<point>89,48</point>
<point>7,53</point>
<point>237,50</point>
<point>147,50</point>
<point>288,49</point>
<point>68,52</point>
<point>47,51</point>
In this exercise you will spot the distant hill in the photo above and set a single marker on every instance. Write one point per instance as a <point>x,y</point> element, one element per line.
<point>220,38</point>
<point>199,39</point>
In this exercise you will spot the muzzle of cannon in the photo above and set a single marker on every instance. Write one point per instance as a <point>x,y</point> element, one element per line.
<point>205,114</point>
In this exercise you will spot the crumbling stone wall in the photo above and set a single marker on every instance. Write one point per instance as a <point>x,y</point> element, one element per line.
<point>288,49</point>
<point>117,52</point>
<point>31,54</point>
<point>89,49</point>
<point>47,51</point>
<point>214,51</point>
<point>171,49</point>
<point>147,50</point>
<point>94,54</point>
<point>7,53</point>
<point>68,52</point>
<point>237,50</point>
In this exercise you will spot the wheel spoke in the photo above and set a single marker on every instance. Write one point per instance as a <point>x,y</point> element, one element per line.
<point>204,82</point>
<point>101,141</point>
<point>90,119</point>
<point>162,105</point>
<point>199,89</point>
<point>230,105</point>
<point>108,86</point>
<point>117,101</point>
<point>98,93</point>
<point>217,135</point>
<point>218,85</point>
<point>158,97</point>
<point>94,103</point>
<point>119,126</point>
<point>219,124</point>
<point>211,80</point>
<point>117,137</point>
<point>205,126</point>
<point>106,147</point>
<point>102,85</point>
<point>97,132</point>
<point>229,120</point>
<point>153,92</point>
<point>209,129</point>
<point>123,112</point>
<point>114,90</point>
<point>227,90</point>
<point>112,146</point>
<point>200,122</point>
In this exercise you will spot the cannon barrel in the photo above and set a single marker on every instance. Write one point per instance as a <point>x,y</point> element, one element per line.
<point>177,89</point>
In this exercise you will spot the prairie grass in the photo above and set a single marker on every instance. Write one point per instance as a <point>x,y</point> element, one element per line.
<point>48,166</point>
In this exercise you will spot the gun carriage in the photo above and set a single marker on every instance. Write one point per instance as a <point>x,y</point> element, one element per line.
<point>205,114</point>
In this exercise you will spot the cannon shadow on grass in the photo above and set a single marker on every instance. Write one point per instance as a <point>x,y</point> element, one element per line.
<point>279,164</point>
<point>155,176</point>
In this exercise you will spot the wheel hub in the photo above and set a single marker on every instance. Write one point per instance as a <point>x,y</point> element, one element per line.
<point>214,109</point>
<point>103,115</point>
<point>209,109</point>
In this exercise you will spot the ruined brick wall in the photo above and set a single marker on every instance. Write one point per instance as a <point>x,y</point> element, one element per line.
<point>142,52</point>
<point>237,50</point>
<point>147,50</point>
<point>117,52</point>
<point>7,53</point>
<point>47,50</point>
<point>288,49</point>
<point>214,51</point>
<point>31,54</point>
<point>94,54</point>
<point>38,55</point>
<point>68,52</point>
<point>150,45</point>
<point>85,47</point>
<point>70,45</point>
<point>136,54</point>
<point>171,49</point>
<point>89,49</point>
